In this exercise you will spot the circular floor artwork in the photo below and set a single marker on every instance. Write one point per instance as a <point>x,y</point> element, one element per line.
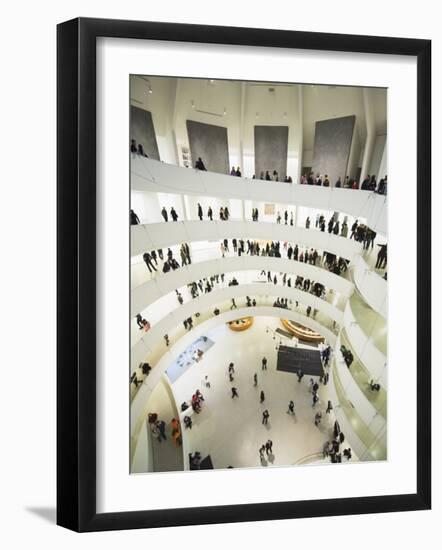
<point>302,332</point>
<point>241,324</point>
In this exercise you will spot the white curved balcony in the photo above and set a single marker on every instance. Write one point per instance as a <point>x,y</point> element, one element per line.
<point>369,413</point>
<point>207,302</point>
<point>372,287</point>
<point>161,235</point>
<point>368,441</point>
<point>151,346</point>
<point>155,289</point>
<point>154,176</point>
<point>367,337</point>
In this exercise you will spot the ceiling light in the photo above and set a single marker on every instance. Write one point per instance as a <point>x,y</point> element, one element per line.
<point>150,89</point>
<point>257,114</point>
<point>285,115</point>
<point>193,104</point>
<point>225,111</point>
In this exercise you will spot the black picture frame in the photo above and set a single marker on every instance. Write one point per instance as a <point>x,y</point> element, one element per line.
<point>76,273</point>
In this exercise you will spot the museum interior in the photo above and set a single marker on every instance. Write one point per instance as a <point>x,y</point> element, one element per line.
<point>258,239</point>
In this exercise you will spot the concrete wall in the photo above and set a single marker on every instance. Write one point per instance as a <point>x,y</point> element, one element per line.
<point>333,140</point>
<point>271,146</point>
<point>210,143</point>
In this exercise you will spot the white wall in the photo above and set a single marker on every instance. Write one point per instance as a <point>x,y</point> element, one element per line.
<point>376,159</point>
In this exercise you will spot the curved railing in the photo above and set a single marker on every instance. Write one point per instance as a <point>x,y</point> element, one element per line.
<point>153,290</point>
<point>355,381</point>
<point>367,333</point>
<point>372,287</point>
<point>154,176</point>
<point>162,235</point>
<point>207,302</point>
<point>368,441</point>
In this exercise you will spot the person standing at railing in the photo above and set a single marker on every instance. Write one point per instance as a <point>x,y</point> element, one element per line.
<point>199,164</point>
<point>134,219</point>
<point>210,214</point>
<point>164,214</point>
<point>173,214</point>
<point>200,212</point>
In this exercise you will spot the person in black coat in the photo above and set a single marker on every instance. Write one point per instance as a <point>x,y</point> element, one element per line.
<point>164,214</point>
<point>200,212</point>
<point>173,214</point>
<point>199,164</point>
<point>134,219</point>
<point>148,261</point>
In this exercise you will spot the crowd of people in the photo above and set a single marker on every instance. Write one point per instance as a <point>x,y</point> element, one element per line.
<point>368,184</point>
<point>360,232</point>
<point>170,263</point>
<point>332,447</point>
<point>158,428</point>
<point>137,148</point>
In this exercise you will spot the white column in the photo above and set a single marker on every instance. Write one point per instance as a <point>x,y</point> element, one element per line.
<point>371,133</point>
<point>301,131</point>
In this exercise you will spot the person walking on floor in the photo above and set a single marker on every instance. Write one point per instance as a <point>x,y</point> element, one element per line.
<point>264,363</point>
<point>234,392</point>
<point>162,428</point>
<point>329,407</point>
<point>299,374</point>
<point>269,447</point>
<point>265,416</point>
<point>291,409</point>
<point>255,379</point>
<point>262,397</point>
<point>164,214</point>
<point>262,451</point>
<point>318,418</point>
<point>200,212</point>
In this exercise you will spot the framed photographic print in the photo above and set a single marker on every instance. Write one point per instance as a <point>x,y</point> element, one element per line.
<point>243,298</point>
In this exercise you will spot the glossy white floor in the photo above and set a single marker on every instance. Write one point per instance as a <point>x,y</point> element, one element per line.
<point>231,430</point>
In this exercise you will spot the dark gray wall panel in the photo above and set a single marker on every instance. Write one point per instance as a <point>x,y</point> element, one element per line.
<point>143,131</point>
<point>332,146</point>
<point>271,146</point>
<point>210,143</point>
